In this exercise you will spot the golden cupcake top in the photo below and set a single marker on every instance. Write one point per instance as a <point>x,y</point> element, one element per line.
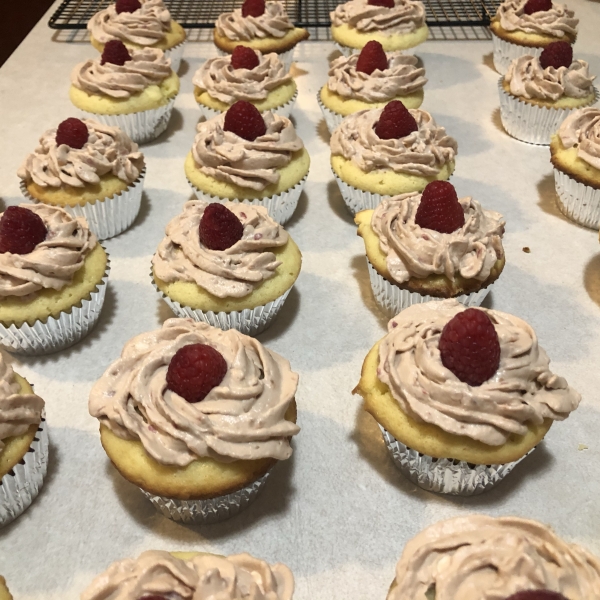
<point>254,20</point>
<point>547,18</point>
<point>401,16</point>
<point>581,130</point>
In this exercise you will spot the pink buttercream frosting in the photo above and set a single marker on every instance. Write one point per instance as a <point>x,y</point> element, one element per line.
<point>273,23</point>
<point>557,22</point>
<point>581,130</point>
<point>406,16</point>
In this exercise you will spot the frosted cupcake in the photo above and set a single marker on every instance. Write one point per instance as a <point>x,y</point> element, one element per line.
<point>368,80</point>
<point>229,265</point>
<point>139,24</point>
<point>134,90</point>
<point>23,446</point>
<point>196,417</point>
<point>461,395</point>
<point>243,156</point>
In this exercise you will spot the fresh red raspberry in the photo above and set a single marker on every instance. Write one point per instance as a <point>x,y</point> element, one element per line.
<point>21,230</point>
<point>115,52</point>
<point>219,228</point>
<point>537,595</point>
<point>395,121</point>
<point>439,208</point>
<point>372,57</point>
<point>129,6</point>
<point>384,3</point>
<point>469,346</point>
<point>557,54</point>
<point>243,119</point>
<point>194,370</point>
<point>244,58</point>
<point>253,8</point>
<point>73,133</point>
<point>534,6</point>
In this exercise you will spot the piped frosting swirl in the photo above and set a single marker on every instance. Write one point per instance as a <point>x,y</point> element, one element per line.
<point>406,16</point>
<point>557,22</point>
<point>581,130</point>
<point>273,23</point>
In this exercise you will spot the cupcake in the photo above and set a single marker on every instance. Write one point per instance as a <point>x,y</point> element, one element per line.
<point>243,156</point>
<point>91,170</point>
<point>139,24</point>
<point>461,395</point>
<point>260,25</point>
<point>537,93</point>
<point>370,79</point>
<point>134,90</point>
<point>196,417</point>
<point>431,246</point>
<point>477,557</point>
<point>395,24</point>
<point>23,447</point>
<point>575,155</point>
<point>258,78</point>
<point>53,275</point>
<point>229,265</point>
<point>4,593</point>
<point>380,153</point>
<point>193,575</point>
<point>526,27</point>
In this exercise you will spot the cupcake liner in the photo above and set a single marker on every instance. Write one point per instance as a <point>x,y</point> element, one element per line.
<point>392,299</point>
<point>529,122</point>
<point>56,333</point>
<point>577,201</point>
<point>279,206</point>
<point>175,54</point>
<point>213,510</point>
<point>332,119</point>
<point>506,52</point>
<point>20,486</point>
<point>357,200</point>
<point>111,216</point>
<point>287,57</point>
<point>445,475</point>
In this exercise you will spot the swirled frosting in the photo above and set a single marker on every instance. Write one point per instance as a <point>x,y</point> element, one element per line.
<point>227,157</point>
<point>485,558</point>
<point>240,419</point>
<point>423,152</point>
<point>406,16</point>
<point>231,273</point>
<point>412,251</point>
<point>557,22</point>
<point>107,151</point>
<point>581,130</point>
<point>148,66</point>
<point>145,26</point>
<point>17,410</point>
<point>53,262</point>
<point>273,23</point>
<point>203,577</point>
<point>523,391</point>
<point>402,77</point>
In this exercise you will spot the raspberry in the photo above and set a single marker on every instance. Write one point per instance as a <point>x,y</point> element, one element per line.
<point>129,6</point>
<point>21,230</point>
<point>537,595</point>
<point>395,121</point>
<point>194,370</point>
<point>469,346</point>
<point>243,119</point>
<point>383,3</point>
<point>253,8</point>
<point>439,208</point>
<point>372,57</point>
<point>219,228</point>
<point>534,6</point>
<point>115,52</point>
<point>244,58</point>
<point>557,54</point>
<point>72,132</point>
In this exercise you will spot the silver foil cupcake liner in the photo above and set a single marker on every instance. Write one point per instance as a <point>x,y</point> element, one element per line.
<point>287,57</point>
<point>213,510</point>
<point>279,206</point>
<point>19,487</point>
<point>175,54</point>
<point>577,201</point>
<point>332,119</point>
<point>393,299</point>
<point>445,475</point>
<point>505,53</point>
<point>529,122</point>
<point>357,200</point>
<point>111,216</point>
<point>56,333</point>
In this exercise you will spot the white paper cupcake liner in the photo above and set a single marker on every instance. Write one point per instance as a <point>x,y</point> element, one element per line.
<point>392,299</point>
<point>445,475</point>
<point>208,511</point>
<point>332,119</point>
<point>506,52</point>
<point>279,206</point>
<point>21,485</point>
<point>56,333</point>
<point>111,216</point>
<point>355,199</point>
<point>577,201</point>
<point>175,54</point>
<point>529,122</point>
<point>287,57</point>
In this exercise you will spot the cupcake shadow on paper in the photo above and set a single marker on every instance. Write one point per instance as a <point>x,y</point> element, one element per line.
<point>337,204</point>
<point>547,200</point>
